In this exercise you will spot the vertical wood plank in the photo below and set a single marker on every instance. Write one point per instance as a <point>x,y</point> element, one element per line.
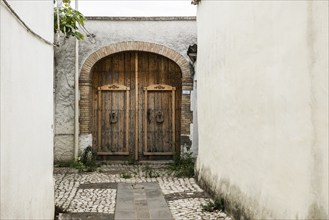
<point>136,108</point>
<point>121,70</point>
<point>151,124</point>
<point>120,124</point>
<point>103,119</point>
<point>132,114</point>
<point>166,121</point>
<point>173,120</point>
<point>143,70</point>
<point>116,127</point>
<point>160,139</point>
<point>145,121</point>
<point>127,83</point>
<point>99,120</point>
<point>127,122</point>
<point>109,132</point>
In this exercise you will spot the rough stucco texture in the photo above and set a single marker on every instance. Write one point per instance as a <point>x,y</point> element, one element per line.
<point>177,35</point>
<point>263,106</point>
<point>26,112</point>
<point>64,87</point>
<point>64,100</point>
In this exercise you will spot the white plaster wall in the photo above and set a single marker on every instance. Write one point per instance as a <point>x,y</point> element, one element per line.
<point>177,34</point>
<point>263,106</point>
<point>194,104</point>
<point>26,115</point>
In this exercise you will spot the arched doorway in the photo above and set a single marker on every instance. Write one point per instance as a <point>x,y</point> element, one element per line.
<point>136,109</point>
<point>89,86</point>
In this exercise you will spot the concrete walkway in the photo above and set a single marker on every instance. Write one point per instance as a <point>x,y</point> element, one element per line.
<point>141,201</point>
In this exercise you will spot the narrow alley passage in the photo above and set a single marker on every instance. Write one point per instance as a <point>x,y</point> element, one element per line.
<point>120,191</point>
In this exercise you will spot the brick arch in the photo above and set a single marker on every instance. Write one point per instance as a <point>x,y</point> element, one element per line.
<point>85,84</point>
<point>85,74</point>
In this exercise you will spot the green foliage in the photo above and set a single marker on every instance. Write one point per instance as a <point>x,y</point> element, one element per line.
<point>88,159</point>
<point>150,172</point>
<point>86,163</point>
<point>69,20</point>
<point>131,160</point>
<point>183,165</point>
<point>71,164</point>
<point>218,204</point>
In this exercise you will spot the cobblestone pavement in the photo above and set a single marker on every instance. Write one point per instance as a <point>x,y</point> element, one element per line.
<point>96,192</point>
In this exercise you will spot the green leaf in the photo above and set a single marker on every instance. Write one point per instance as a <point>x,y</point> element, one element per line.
<point>69,18</point>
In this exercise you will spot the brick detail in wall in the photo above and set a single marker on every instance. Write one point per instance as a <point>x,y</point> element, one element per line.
<point>187,115</point>
<point>85,79</point>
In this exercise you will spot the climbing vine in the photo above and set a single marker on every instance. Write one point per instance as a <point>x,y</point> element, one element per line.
<point>68,20</point>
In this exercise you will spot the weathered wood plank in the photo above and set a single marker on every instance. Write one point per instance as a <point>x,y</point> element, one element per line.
<point>145,120</point>
<point>126,148</point>
<point>158,153</point>
<point>173,120</point>
<point>99,120</point>
<point>108,105</point>
<point>121,122</point>
<point>166,118</point>
<point>136,107</point>
<point>107,153</point>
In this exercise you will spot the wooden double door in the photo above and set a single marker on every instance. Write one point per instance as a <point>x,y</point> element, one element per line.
<point>136,110</point>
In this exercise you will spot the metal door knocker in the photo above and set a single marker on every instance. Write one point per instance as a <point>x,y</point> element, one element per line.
<point>113,117</point>
<point>159,117</point>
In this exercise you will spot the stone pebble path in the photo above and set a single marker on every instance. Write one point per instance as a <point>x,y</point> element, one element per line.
<point>153,189</point>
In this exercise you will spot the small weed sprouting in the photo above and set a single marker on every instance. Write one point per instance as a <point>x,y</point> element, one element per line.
<point>88,159</point>
<point>86,163</point>
<point>150,172</point>
<point>126,175</point>
<point>183,165</point>
<point>71,164</point>
<point>131,161</point>
<point>217,205</point>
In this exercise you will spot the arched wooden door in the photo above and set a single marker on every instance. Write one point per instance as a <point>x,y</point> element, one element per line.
<point>136,110</point>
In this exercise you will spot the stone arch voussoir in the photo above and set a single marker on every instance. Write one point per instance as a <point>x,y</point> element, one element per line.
<point>136,46</point>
